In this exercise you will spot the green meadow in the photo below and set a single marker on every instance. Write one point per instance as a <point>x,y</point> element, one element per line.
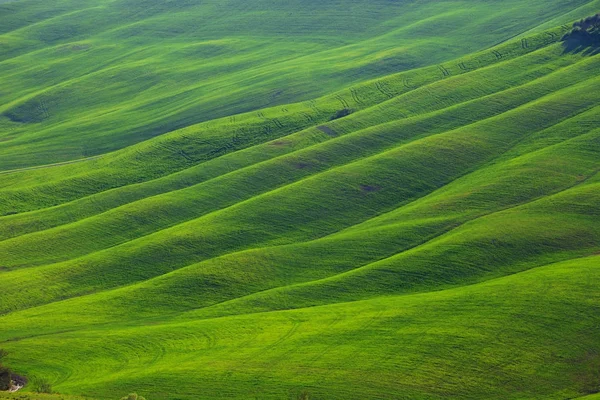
<point>82,78</point>
<point>299,200</point>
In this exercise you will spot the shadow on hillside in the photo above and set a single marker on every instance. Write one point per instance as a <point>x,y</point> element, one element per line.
<point>588,46</point>
<point>585,37</point>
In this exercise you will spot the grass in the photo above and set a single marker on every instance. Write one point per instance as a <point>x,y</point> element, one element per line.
<point>397,225</point>
<point>466,333</point>
<point>38,396</point>
<point>74,74</point>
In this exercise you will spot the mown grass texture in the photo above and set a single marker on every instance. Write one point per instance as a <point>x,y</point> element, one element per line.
<point>439,241</point>
<point>83,78</point>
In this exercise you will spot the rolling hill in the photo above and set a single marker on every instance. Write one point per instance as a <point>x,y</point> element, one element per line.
<point>324,200</point>
<point>81,78</point>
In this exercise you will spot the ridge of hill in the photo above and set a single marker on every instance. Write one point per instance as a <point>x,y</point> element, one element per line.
<point>433,233</point>
<point>82,78</point>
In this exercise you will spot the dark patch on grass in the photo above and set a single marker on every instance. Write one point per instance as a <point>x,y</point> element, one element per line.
<point>8,379</point>
<point>279,143</point>
<point>33,111</point>
<point>581,44</point>
<point>584,37</point>
<point>327,130</point>
<point>301,165</point>
<point>5,378</point>
<point>74,48</point>
<point>19,380</point>
<point>344,112</point>
<point>80,47</point>
<point>370,188</point>
<point>588,376</point>
<point>276,93</point>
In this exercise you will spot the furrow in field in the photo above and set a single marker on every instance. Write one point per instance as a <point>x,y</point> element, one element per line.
<point>252,276</point>
<point>316,157</point>
<point>186,91</point>
<point>127,165</point>
<point>187,250</point>
<point>517,318</point>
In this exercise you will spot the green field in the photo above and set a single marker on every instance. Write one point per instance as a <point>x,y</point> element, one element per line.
<point>299,200</point>
<point>80,78</point>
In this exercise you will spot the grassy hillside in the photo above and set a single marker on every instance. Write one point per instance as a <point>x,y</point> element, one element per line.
<point>81,78</point>
<point>423,234</point>
<point>38,396</point>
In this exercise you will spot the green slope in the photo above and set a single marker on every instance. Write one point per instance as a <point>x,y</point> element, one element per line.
<point>82,78</point>
<point>432,233</point>
<point>524,336</point>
